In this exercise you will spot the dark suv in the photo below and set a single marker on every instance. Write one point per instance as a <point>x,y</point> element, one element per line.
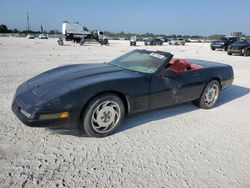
<point>241,47</point>
<point>223,43</point>
<point>153,42</point>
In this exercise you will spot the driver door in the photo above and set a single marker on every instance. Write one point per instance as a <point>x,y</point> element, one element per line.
<point>173,88</point>
<point>162,92</point>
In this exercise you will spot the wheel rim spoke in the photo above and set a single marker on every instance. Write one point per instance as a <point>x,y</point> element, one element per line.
<point>211,95</point>
<point>106,116</point>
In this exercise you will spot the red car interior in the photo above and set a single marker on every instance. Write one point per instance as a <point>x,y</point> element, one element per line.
<point>181,65</point>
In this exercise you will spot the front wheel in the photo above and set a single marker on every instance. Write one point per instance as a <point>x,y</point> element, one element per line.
<point>209,96</point>
<point>247,52</point>
<point>103,115</point>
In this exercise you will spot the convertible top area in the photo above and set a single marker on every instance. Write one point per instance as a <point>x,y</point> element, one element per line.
<point>182,65</point>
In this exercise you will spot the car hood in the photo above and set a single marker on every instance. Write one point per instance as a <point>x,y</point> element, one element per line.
<point>61,77</point>
<point>238,44</point>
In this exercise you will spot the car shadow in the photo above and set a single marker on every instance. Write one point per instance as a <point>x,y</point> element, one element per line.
<point>228,95</point>
<point>231,93</point>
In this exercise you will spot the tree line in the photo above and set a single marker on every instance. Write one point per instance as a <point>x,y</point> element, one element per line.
<point>151,35</point>
<point>5,29</point>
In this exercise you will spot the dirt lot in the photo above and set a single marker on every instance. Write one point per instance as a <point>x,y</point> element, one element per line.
<point>181,146</point>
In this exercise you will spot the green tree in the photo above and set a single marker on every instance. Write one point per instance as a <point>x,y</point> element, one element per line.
<point>3,28</point>
<point>15,30</point>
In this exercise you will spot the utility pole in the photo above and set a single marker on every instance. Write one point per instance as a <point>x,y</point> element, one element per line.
<point>28,22</point>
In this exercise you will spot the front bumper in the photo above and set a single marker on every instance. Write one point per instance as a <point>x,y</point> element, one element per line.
<point>235,50</point>
<point>34,121</point>
<point>28,108</point>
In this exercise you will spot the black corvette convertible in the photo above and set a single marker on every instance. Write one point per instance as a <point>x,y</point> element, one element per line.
<point>95,97</point>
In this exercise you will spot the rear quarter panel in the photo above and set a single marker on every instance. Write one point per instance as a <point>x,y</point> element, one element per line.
<point>213,70</point>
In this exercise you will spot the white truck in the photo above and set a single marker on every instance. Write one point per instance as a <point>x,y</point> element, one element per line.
<point>77,33</point>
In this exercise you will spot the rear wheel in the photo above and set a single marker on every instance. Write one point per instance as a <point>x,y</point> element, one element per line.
<point>103,115</point>
<point>209,96</point>
<point>212,48</point>
<point>247,52</point>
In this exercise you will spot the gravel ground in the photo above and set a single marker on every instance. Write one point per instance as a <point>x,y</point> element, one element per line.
<point>181,146</point>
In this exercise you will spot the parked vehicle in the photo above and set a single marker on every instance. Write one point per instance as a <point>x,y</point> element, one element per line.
<point>95,97</point>
<point>223,43</point>
<point>240,48</point>
<point>161,38</point>
<point>178,41</point>
<point>153,42</point>
<point>77,33</point>
<point>43,36</point>
<point>133,41</point>
<point>74,31</point>
<point>29,36</point>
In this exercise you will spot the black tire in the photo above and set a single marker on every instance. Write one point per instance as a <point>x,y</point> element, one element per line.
<point>81,42</point>
<point>89,126</point>
<point>229,53</point>
<point>213,49</point>
<point>247,52</point>
<point>201,102</point>
<point>60,42</point>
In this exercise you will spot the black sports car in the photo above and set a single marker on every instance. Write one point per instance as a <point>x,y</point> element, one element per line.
<point>95,97</point>
<point>240,47</point>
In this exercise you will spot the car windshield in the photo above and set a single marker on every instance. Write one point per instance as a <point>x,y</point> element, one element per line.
<point>140,61</point>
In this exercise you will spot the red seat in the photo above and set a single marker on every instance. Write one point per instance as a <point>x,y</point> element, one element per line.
<point>179,65</point>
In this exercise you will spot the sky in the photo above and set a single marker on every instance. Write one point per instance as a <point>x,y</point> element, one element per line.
<point>186,17</point>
